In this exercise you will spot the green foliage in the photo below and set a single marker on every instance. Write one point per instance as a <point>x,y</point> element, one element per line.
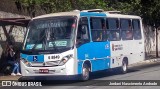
<point>147,9</point>
<point>91,4</point>
<point>151,12</point>
<point>50,6</point>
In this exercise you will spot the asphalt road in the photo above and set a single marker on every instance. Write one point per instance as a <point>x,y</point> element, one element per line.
<point>149,71</point>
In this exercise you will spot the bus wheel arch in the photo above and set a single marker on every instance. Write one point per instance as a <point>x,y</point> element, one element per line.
<point>124,66</point>
<point>86,69</point>
<point>88,63</point>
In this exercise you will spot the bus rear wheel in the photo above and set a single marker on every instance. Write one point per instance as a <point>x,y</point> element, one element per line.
<point>85,73</point>
<point>124,67</point>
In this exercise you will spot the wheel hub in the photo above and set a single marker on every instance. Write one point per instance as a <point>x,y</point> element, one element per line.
<point>85,73</point>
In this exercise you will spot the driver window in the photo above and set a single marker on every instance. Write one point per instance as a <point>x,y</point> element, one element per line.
<point>83,32</point>
<point>85,35</point>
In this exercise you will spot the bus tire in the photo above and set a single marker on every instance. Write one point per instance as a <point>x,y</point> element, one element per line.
<point>124,66</point>
<point>85,73</point>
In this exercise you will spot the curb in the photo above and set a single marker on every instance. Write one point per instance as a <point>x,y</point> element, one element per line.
<point>9,77</point>
<point>145,62</point>
<point>153,60</point>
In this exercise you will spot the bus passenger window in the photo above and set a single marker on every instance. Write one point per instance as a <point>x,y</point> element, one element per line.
<point>126,27</point>
<point>137,34</point>
<point>136,29</point>
<point>113,30</point>
<point>128,34</point>
<point>113,35</point>
<point>112,24</point>
<point>98,28</point>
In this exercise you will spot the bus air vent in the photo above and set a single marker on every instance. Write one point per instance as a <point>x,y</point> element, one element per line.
<point>93,10</point>
<point>113,12</point>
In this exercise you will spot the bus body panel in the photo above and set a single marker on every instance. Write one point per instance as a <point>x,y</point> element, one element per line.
<point>69,68</point>
<point>97,53</point>
<point>133,50</point>
<point>34,71</point>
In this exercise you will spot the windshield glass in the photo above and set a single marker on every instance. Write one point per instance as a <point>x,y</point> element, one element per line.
<point>51,33</point>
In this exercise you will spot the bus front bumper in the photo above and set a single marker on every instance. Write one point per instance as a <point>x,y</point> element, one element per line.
<point>42,71</point>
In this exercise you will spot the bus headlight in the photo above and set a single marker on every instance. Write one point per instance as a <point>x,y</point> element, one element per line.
<point>65,59</point>
<point>25,62</point>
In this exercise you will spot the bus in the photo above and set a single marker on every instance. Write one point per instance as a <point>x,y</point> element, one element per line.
<point>81,42</point>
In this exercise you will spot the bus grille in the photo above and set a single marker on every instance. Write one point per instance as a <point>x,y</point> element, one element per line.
<point>44,64</point>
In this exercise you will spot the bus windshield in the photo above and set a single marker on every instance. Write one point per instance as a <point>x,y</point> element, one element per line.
<point>51,33</point>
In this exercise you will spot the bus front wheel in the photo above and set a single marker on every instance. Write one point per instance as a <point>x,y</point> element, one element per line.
<point>85,73</point>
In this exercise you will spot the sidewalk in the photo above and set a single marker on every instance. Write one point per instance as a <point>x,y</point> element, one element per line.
<point>9,77</point>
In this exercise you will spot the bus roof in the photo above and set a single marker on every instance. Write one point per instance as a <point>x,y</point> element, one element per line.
<point>123,16</point>
<point>72,13</point>
<point>85,13</point>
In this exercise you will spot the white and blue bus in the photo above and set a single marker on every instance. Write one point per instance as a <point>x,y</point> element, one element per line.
<point>80,42</point>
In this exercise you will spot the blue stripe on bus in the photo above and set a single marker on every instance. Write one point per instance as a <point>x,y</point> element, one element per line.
<point>92,14</point>
<point>30,58</point>
<point>94,50</point>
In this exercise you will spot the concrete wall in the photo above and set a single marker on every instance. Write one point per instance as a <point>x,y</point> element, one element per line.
<point>17,32</point>
<point>150,41</point>
<point>150,35</point>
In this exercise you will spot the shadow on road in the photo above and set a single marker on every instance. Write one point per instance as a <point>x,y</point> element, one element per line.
<point>107,73</point>
<point>73,80</point>
<point>63,81</point>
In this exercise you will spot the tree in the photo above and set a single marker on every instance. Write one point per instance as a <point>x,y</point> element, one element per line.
<point>50,6</point>
<point>91,4</point>
<point>147,9</point>
<point>151,12</point>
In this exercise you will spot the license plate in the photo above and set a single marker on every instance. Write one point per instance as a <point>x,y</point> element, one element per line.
<point>43,70</point>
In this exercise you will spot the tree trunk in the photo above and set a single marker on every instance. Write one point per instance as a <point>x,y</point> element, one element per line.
<point>156,29</point>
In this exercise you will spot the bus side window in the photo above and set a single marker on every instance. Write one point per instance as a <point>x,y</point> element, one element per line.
<point>98,28</point>
<point>136,29</point>
<point>126,27</point>
<point>113,30</point>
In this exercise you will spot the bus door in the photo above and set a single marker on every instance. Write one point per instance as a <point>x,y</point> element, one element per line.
<point>88,48</point>
<point>99,45</point>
